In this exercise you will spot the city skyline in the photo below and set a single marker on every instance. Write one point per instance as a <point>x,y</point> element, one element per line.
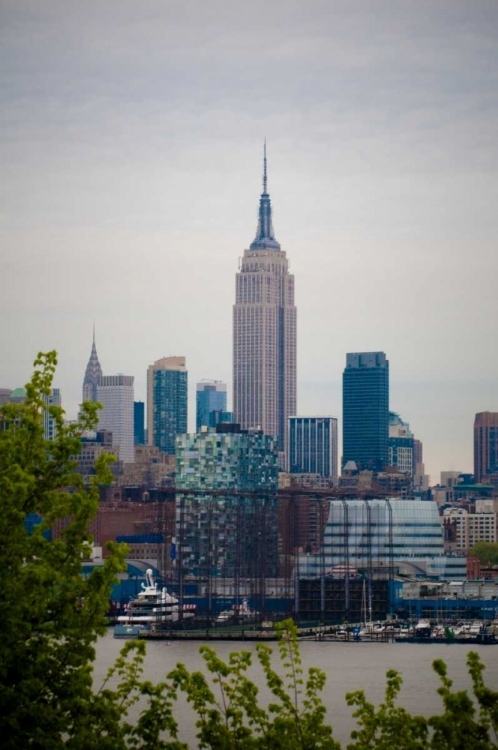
<point>129,165</point>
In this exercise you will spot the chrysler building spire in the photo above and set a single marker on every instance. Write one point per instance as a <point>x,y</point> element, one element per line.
<point>93,374</point>
<point>265,236</point>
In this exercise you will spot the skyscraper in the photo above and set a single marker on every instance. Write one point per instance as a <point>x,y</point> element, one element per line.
<point>5,395</point>
<point>223,534</point>
<point>400,444</point>
<point>264,332</point>
<point>219,417</point>
<point>138,422</point>
<point>167,390</point>
<point>485,445</point>
<point>418,454</point>
<point>93,374</point>
<point>49,423</point>
<point>211,395</point>
<point>365,409</point>
<point>115,393</point>
<point>313,446</point>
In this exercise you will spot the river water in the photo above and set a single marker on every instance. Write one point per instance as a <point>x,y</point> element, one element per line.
<point>348,666</point>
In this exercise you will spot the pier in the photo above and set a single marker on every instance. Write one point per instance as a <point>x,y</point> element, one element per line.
<point>331,634</point>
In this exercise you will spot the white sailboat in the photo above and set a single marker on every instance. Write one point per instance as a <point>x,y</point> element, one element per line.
<point>368,627</point>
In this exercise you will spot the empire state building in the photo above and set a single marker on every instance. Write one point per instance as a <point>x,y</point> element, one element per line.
<point>264,332</point>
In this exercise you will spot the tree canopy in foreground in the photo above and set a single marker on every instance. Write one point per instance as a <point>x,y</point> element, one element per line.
<point>52,617</point>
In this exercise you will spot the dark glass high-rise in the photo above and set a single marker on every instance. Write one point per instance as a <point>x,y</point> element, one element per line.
<point>365,410</point>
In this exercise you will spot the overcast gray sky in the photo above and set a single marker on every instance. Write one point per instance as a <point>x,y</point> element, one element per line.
<point>131,140</point>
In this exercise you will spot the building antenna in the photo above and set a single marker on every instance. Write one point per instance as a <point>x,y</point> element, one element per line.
<point>265,176</point>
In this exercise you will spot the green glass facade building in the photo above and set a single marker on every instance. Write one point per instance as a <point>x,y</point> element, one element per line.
<point>167,392</point>
<point>228,525</point>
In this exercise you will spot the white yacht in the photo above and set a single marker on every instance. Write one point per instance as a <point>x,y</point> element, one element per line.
<point>372,628</point>
<point>468,629</point>
<point>240,612</point>
<point>152,606</point>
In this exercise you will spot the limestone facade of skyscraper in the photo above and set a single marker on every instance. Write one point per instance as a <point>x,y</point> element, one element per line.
<point>116,394</point>
<point>264,333</point>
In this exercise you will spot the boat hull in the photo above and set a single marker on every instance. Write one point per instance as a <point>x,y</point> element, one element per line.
<point>129,631</point>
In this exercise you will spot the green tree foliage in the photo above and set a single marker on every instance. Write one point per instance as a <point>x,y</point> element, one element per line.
<point>52,617</point>
<point>389,725</point>
<point>464,724</point>
<point>51,614</point>
<point>231,717</point>
<point>486,552</point>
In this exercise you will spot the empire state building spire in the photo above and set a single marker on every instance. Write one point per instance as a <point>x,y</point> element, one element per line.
<point>264,332</point>
<point>265,236</point>
<point>93,374</point>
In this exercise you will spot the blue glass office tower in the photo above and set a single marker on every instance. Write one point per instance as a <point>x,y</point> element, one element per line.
<point>211,395</point>
<point>138,422</point>
<point>365,410</point>
<point>313,446</point>
<point>220,417</point>
<point>167,390</point>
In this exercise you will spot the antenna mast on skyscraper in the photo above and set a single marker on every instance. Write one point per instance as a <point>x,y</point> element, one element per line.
<point>265,176</point>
